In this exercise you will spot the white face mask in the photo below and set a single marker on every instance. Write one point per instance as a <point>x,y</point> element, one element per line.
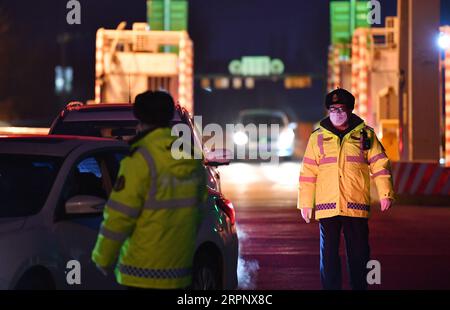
<point>338,119</point>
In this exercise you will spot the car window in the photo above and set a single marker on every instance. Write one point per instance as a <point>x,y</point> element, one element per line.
<point>25,183</point>
<point>122,130</point>
<point>90,165</point>
<point>92,175</point>
<point>86,178</point>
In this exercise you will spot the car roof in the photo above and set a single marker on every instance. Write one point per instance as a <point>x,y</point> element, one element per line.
<point>101,112</point>
<point>108,105</point>
<point>51,145</point>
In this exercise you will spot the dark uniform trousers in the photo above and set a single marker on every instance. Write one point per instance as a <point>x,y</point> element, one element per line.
<point>356,235</point>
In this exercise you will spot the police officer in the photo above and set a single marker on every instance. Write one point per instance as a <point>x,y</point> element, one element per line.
<point>152,215</point>
<point>341,156</point>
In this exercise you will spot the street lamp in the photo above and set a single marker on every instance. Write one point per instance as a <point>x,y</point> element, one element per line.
<point>443,41</point>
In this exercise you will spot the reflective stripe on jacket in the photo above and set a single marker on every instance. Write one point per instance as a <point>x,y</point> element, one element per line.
<point>151,220</point>
<point>335,177</point>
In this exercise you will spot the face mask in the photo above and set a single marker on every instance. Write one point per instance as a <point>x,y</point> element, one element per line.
<point>338,119</point>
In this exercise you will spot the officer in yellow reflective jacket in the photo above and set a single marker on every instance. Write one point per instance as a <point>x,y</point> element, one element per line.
<point>152,215</point>
<point>340,157</point>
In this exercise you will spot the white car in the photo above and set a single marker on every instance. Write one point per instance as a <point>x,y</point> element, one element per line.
<point>260,142</point>
<point>53,190</point>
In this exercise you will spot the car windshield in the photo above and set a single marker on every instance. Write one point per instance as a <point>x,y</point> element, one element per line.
<point>25,182</point>
<point>110,129</point>
<point>123,130</point>
<point>258,119</point>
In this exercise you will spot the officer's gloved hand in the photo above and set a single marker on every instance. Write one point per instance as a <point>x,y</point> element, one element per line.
<point>103,270</point>
<point>306,214</point>
<point>386,203</point>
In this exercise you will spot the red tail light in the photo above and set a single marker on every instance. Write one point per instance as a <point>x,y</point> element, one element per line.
<point>227,206</point>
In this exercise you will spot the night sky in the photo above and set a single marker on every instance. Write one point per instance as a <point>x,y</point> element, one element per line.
<point>296,31</point>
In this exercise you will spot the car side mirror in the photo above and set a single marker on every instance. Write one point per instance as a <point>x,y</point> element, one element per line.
<point>218,157</point>
<point>83,204</point>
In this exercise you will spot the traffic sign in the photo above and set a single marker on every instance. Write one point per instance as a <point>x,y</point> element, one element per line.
<point>256,66</point>
<point>178,11</point>
<point>342,25</point>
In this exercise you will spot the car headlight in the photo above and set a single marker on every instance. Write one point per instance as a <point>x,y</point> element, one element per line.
<point>240,138</point>
<point>286,139</point>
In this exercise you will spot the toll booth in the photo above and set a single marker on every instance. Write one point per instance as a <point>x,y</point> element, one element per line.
<point>129,62</point>
<point>372,75</point>
<point>375,80</point>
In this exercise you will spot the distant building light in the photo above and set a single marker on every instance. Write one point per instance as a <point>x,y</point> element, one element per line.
<point>63,80</point>
<point>235,67</point>
<point>222,83</point>
<point>256,66</point>
<point>292,82</point>
<point>205,83</point>
<point>250,83</point>
<point>59,84</point>
<point>237,83</point>
<point>276,67</point>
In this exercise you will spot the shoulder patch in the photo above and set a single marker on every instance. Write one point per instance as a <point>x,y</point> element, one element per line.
<point>120,184</point>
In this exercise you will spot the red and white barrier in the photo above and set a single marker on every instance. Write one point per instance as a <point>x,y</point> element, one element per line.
<point>446,29</point>
<point>421,178</point>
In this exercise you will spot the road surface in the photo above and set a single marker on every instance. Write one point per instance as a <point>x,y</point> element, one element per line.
<point>280,251</point>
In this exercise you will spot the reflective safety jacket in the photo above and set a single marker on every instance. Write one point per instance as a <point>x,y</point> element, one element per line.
<point>335,173</point>
<point>152,216</point>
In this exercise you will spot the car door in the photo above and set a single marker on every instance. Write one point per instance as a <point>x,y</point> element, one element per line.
<point>77,232</point>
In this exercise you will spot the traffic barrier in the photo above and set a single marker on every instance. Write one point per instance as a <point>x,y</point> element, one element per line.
<point>421,183</point>
<point>421,178</point>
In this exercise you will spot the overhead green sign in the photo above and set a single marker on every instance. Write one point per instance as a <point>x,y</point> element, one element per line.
<point>346,16</point>
<point>256,66</point>
<point>177,11</point>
